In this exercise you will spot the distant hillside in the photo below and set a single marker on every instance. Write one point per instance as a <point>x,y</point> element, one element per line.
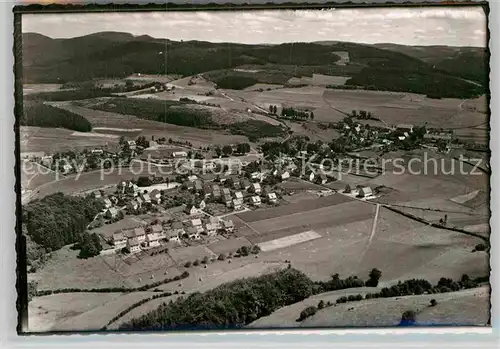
<point>467,62</point>
<point>117,55</point>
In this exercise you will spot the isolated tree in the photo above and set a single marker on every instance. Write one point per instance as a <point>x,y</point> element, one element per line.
<point>321,304</point>
<point>374,276</point>
<point>312,116</point>
<point>347,189</point>
<point>433,302</point>
<point>227,150</point>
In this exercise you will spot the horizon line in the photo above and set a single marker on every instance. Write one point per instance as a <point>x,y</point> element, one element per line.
<point>250,44</point>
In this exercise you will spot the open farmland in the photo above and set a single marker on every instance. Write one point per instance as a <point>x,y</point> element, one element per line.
<point>95,318</point>
<point>65,270</point>
<point>46,311</point>
<point>51,140</point>
<point>198,137</point>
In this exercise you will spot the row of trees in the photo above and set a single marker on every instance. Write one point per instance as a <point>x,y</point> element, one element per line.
<point>146,287</point>
<point>297,114</point>
<point>362,114</point>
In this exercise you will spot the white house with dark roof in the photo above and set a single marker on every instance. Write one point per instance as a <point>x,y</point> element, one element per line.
<point>272,198</point>
<point>365,192</point>
<point>256,188</point>
<point>237,204</point>
<point>174,235</point>
<point>137,233</point>
<point>256,200</point>
<point>153,239</point>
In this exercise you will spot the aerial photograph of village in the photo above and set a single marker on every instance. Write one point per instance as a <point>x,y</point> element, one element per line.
<point>192,170</point>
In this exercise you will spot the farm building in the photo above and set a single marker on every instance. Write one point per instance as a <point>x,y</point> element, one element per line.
<point>365,192</point>
<point>156,229</point>
<point>238,195</point>
<point>97,151</point>
<point>119,240</point>
<point>256,200</point>
<point>134,245</point>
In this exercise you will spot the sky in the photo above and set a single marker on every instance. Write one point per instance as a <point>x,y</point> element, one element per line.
<point>458,26</point>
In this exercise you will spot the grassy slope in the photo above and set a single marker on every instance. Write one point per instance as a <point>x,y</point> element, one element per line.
<point>467,307</point>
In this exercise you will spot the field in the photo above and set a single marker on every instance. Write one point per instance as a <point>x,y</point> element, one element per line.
<point>65,270</point>
<point>51,140</point>
<point>468,307</point>
<point>80,311</point>
<point>198,137</point>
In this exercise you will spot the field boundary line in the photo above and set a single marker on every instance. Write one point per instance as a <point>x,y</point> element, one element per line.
<point>421,220</point>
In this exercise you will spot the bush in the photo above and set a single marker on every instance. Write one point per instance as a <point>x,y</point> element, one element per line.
<point>307,312</point>
<point>408,318</point>
<point>196,263</point>
<point>374,276</point>
<point>205,260</point>
<point>321,304</point>
<point>255,249</point>
<point>342,299</point>
<point>480,247</point>
<point>187,264</point>
<point>221,257</point>
<point>433,302</point>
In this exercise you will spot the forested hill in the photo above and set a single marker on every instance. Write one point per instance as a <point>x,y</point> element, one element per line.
<point>117,55</point>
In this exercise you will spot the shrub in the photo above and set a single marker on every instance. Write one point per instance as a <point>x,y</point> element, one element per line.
<point>307,312</point>
<point>321,304</point>
<point>342,300</point>
<point>374,276</point>
<point>187,264</point>
<point>196,263</point>
<point>408,318</point>
<point>205,260</point>
<point>255,249</point>
<point>433,302</point>
<point>480,247</point>
<point>221,257</point>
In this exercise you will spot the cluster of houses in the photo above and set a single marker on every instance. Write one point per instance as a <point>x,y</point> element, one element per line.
<point>135,239</point>
<point>232,195</point>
